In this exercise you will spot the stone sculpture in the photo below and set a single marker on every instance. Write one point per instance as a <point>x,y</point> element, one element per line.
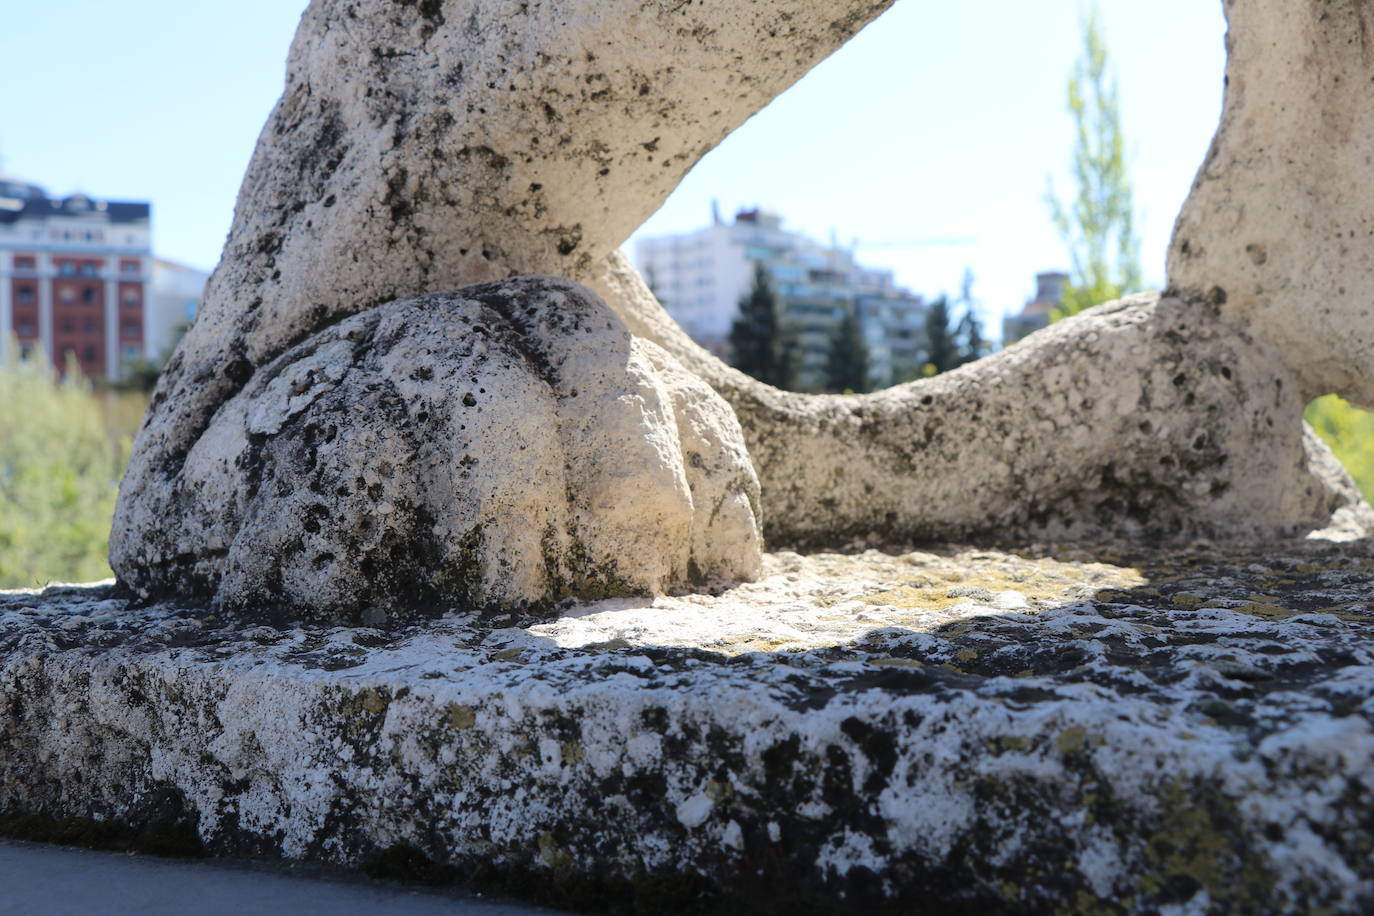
<point>508,444</point>
<point>423,146</point>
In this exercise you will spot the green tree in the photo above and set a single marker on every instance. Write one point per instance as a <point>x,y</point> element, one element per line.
<point>846,364</point>
<point>969,334</point>
<point>951,342</point>
<point>942,349</point>
<point>969,340</point>
<point>759,344</point>
<point>1098,223</point>
<point>1350,433</point>
<point>59,469</point>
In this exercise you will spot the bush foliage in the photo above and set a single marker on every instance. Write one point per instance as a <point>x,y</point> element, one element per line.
<point>1350,433</point>
<point>59,471</point>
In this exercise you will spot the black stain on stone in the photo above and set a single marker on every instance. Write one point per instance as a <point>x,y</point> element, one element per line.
<point>158,823</point>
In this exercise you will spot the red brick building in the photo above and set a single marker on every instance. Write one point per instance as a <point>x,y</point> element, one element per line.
<point>75,278</point>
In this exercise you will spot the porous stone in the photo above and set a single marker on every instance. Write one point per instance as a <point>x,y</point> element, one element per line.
<point>504,444</point>
<point>422,146</point>
<point>1279,227</point>
<point>1149,417</point>
<point>1113,730</point>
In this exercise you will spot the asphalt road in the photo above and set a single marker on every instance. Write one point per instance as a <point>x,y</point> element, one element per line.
<point>38,880</point>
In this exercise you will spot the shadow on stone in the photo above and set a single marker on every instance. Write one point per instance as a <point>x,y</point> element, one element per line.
<point>944,730</point>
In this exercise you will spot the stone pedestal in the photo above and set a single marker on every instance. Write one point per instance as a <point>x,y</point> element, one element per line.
<point>949,731</point>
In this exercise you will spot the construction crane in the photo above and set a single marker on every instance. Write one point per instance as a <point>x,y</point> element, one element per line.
<point>855,244</point>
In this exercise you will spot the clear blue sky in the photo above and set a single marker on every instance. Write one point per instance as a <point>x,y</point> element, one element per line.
<point>941,121</point>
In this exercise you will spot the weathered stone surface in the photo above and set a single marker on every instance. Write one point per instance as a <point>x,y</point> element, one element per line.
<point>420,147</point>
<point>1151,417</point>
<point>1280,222</point>
<point>423,146</point>
<point>504,444</point>
<point>945,731</point>
<point>1270,266</point>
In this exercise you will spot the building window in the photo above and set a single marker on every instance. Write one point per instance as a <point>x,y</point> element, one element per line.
<point>89,326</point>
<point>130,296</point>
<point>66,268</point>
<point>66,295</point>
<point>89,269</point>
<point>89,353</point>
<point>128,267</point>
<point>130,330</point>
<point>131,354</point>
<point>68,326</point>
<point>25,350</point>
<point>88,295</point>
<point>24,264</point>
<point>26,329</point>
<point>25,295</point>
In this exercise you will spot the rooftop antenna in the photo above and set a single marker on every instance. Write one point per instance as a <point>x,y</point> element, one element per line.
<point>715,211</point>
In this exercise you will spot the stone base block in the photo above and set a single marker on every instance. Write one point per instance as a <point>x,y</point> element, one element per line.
<point>943,731</point>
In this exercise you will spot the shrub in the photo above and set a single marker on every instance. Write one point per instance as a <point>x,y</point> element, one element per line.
<point>59,472</point>
<point>1350,433</point>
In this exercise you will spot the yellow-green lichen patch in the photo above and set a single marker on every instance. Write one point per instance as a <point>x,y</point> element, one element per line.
<point>1196,846</point>
<point>610,645</point>
<point>889,662</point>
<point>551,854</point>
<point>1076,738</point>
<point>373,701</point>
<point>572,752</point>
<point>460,717</point>
<point>982,576</point>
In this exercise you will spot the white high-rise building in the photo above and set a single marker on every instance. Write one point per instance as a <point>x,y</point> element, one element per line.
<point>700,277</point>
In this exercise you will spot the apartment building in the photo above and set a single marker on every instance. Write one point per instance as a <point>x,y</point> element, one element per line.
<point>75,277</point>
<point>1049,292</point>
<point>700,277</point>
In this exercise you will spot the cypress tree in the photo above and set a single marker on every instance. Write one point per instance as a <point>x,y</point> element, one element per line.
<point>846,367</point>
<point>942,352</point>
<point>758,344</point>
<point>969,339</point>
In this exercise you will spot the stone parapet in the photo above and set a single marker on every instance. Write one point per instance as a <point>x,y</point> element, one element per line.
<point>958,730</point>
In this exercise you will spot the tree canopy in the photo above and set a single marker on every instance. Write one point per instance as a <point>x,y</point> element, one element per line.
<point>1098,223</point>
<point>847,363</point>
<point>759,343</point>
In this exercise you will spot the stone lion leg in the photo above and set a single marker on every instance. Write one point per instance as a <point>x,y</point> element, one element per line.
<point>421,147</point>
<point>1151,416</point>
<point>418,148</point>
<point>504,445</point>
<point>1279,227</point>
<point>1272,262</point>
